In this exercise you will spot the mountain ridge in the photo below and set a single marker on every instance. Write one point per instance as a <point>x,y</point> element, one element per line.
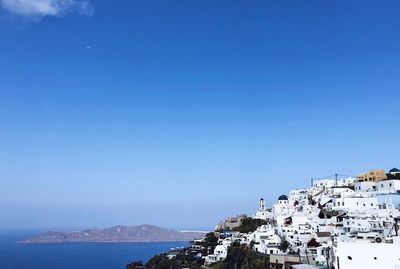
<point>116,234</point>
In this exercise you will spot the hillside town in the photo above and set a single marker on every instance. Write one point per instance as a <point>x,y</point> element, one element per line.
<point>341,223</point>
<point>337,222</point>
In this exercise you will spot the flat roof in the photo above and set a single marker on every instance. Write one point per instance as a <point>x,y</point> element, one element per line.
<point>304,266</point>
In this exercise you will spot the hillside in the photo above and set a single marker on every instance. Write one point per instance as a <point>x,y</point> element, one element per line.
<point>117,234</point>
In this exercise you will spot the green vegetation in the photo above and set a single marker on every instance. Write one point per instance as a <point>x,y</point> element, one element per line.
<point>242,257</point>
<point>184,258</point>
<point>135,265</point>
<point>250,225</point>
<point>181,259</point>
<point>238,257</point>
<point>210,241</point>
<point>284,245</point>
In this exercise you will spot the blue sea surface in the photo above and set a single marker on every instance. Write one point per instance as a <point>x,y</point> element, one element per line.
<point>75,256</point>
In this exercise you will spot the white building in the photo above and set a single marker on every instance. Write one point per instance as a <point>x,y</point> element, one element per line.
<point>266,240</point>
<point>263,212</point>
<point>351,255</point>
<point>319,222</point>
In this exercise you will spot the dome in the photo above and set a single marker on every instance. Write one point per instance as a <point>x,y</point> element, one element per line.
<point>283,197</point>
<point>394,170</point>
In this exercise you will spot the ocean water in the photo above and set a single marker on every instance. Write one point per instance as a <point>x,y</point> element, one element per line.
<point>75,256</point>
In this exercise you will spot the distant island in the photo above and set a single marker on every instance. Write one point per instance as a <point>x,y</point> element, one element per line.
<point>117,234</point>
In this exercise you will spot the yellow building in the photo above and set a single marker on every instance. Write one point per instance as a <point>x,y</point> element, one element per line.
<point>372,176</point>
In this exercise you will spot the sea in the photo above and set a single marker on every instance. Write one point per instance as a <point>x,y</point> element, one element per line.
<point>75,256</point>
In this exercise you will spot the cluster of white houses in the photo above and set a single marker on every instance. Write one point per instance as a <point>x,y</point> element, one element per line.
<point>335,223</point>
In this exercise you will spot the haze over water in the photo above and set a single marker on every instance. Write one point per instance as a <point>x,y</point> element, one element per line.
<point>76,256</point>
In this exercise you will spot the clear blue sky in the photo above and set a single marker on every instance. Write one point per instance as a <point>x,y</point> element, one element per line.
<point>180,113</point>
